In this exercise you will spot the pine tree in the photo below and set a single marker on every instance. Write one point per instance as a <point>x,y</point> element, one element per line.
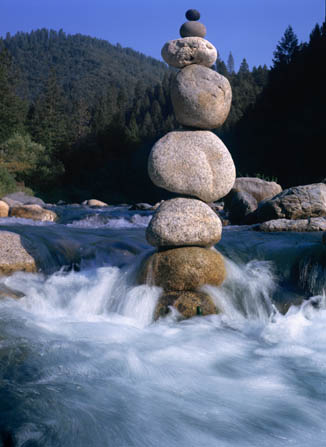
<point>230,64</point>
<point>12,108</point>
<point>286,48</point>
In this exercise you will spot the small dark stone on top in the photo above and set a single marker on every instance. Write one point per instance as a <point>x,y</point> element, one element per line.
<point>193,14</point>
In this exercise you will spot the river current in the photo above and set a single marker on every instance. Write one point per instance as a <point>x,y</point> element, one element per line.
<point>83,364</point>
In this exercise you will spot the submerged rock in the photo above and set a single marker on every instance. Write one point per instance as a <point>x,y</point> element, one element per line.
<point>180,53</point>
<point>298,202</point>
<point>13,255</point>
<point>94,203</point>
<point>7,292</point>
<point>34,212</point>
<point>185,268</point>
<point>201,97</point>
<point>4,209</point>
<point>182,222</point>
<point>193,163</point>
<point>188,304</point>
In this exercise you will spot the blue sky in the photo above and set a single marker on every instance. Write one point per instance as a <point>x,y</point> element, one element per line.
<point>248,28</point>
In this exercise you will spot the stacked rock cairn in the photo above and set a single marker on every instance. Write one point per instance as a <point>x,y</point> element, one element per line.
<point>193,162</point>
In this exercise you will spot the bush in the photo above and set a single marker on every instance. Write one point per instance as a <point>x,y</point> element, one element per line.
<point>7,182</point>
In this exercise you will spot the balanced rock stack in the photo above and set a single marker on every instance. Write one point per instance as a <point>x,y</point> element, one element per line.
<point>194,163</point>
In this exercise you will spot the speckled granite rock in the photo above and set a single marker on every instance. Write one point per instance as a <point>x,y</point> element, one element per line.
<point>34,212</point>
<point>13,256</point>
<point>313,224</point>
<point>298,202</point>
<point>201,97</point>
<point>180,53</point>
<point>260,189</point>
<point>185,268</point>
<point>4,209</point>
<point>189,304</point>
<point>194,163</point>
<point>184,222</point>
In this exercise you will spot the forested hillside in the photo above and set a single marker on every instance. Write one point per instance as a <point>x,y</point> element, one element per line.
<point>283,134</point>
<point>78,116</point>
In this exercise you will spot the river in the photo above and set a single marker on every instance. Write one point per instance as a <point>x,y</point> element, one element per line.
<point>83,364</point>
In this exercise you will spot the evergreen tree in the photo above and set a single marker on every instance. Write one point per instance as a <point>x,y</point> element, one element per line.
<point>286,48</point>
<point>12,108</point>
<point>230,64</point>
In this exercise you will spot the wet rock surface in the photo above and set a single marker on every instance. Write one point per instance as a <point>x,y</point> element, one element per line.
<point>188,304</point>
<point>13,255</point>
<point>185,268</point>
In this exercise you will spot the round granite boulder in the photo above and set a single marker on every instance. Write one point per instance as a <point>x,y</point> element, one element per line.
<point>193,163</point>
<point>183,222</point>
<point>184,268</point>
<point>188,304</point>
<point>193,29</point>
<point>180,53</point>
<point>201,97</point>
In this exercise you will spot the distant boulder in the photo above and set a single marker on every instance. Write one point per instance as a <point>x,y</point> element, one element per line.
<point>241,206</point>
<point>298,202</point>
<point>258,188</point>
<point>300,225</point>
<point>94,203</point>
<point>23,198</point>
<point>34,212</point>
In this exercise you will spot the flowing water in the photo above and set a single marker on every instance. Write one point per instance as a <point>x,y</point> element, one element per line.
<point>83,364</point>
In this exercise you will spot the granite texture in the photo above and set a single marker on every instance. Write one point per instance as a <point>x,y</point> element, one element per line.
<point>13,255</point>
<point>201,97</point>
<point>184,222</point>
<point>192,163</point>
<point>180,53</point>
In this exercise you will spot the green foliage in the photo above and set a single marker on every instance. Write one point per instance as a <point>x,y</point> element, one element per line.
<point>7,182</point>
<point>12,108</point>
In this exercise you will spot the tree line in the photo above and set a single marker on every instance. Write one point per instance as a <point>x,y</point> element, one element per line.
<point>78,116</point>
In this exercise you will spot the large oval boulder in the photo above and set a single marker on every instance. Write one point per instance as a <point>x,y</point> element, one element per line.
<point>180,53</point>
<point>34,212</point>
<point>183,222</point>
<point>13,254</point>
<point>184,268</point>
<point>193,163</point>
<point>188,304</point>
<point>201,97</point>
<point>298,202</point>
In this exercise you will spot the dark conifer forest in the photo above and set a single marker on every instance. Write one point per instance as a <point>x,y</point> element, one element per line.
<point>78,116</point>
